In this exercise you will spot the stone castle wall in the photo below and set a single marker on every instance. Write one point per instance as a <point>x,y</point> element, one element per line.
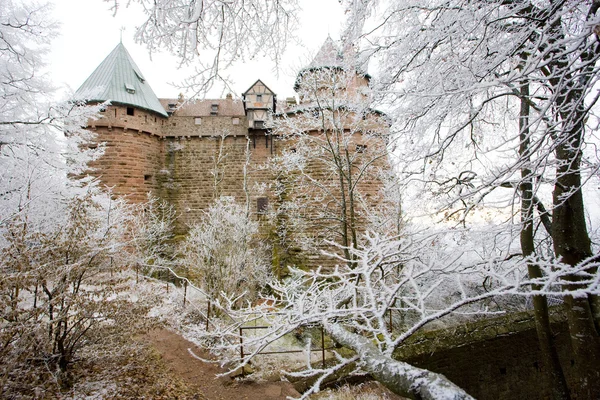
<point>206,126</point>
<point>132,155</point>
<point>189,161</point>
<point>196,170</point>
<point>493,359</point>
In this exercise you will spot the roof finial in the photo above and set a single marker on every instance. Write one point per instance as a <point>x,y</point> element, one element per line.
<point>122,30</point>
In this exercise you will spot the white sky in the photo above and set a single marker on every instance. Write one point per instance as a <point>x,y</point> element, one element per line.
<point>89,32</point>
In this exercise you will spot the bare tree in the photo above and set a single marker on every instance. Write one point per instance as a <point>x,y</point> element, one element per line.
<point>353,303</point>
<point>61,293</point>
<point>334,158</point>
<point>449,68</point>
<point>224,253</point>
<point>214,34</point>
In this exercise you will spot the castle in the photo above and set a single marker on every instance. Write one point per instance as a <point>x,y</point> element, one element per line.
<point>190,152</point>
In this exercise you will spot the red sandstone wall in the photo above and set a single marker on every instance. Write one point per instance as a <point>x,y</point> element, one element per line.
<point>130,162</point>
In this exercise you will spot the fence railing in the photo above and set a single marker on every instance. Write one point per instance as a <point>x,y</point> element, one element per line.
<point>185,283</point>
<point>322,349</point>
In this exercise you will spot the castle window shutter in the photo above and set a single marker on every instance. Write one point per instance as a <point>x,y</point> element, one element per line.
<point>262,204</point>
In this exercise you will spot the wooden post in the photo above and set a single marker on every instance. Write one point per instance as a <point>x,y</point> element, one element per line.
<point>322,346</point>
<point>185,283</point>
<point>242,348</point>
<point>167,287</point>
<point>391,326</point>
<point>207,315</point>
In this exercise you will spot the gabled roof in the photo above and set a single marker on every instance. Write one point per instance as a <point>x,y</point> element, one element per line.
<point>254,84</point>
<point>119,80</point>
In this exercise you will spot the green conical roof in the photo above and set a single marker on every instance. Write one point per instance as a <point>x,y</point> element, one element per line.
<point>119,80</point>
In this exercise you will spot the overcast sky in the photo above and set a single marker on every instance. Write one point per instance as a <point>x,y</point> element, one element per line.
<point>89,32</point>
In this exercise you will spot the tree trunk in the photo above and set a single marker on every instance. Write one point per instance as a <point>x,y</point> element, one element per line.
<point>401,378</point>
<point>569,231</point>
<point>551,369</point>
<point>571,239</point>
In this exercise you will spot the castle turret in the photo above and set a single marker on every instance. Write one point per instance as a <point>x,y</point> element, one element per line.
<point>332,71</point>
<point>130,127</point>
<point>119,80</point>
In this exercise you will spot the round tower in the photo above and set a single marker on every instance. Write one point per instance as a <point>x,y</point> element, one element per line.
<point>334,73</point>
<point>130,127</point>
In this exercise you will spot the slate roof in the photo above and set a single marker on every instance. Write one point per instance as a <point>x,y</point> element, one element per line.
<point>329,55</point>
<point>119,80</point>
<point>203,108</point>
<point>332,56</point>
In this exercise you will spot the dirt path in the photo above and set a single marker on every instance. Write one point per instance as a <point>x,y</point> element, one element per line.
<point>200,376</point>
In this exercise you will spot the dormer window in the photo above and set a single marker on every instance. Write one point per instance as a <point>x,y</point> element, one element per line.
<point>129,88</point>
<point>214,109</point>
<point>139,76</point>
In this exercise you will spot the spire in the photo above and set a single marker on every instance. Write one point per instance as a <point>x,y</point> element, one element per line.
<point>119,80</point>
<point>333,56</point>
<point>329,55</point>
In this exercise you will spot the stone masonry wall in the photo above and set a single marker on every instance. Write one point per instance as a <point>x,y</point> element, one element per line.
<point>205,126</point>
<point>130,162</point>
<point>189,161</point>
<point>492,359</point>
<point>196,170</point>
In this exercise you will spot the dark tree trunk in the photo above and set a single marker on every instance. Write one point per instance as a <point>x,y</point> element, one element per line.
<point>570,236</point>
<point>569,85</point>
<point>553,374</point>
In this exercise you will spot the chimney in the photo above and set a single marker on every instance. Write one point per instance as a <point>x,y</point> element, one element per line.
<point>290,101</point>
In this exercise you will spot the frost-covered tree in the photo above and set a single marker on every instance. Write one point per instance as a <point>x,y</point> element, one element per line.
<point>212,35</point>
<point>224,253</point>
<point>335,155</point>
<point>352,303</point>
<point>150,233</point>
<point>59,237</point>
<point>41,140</point>
<point>61,294</point>
<point>455,74</point>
